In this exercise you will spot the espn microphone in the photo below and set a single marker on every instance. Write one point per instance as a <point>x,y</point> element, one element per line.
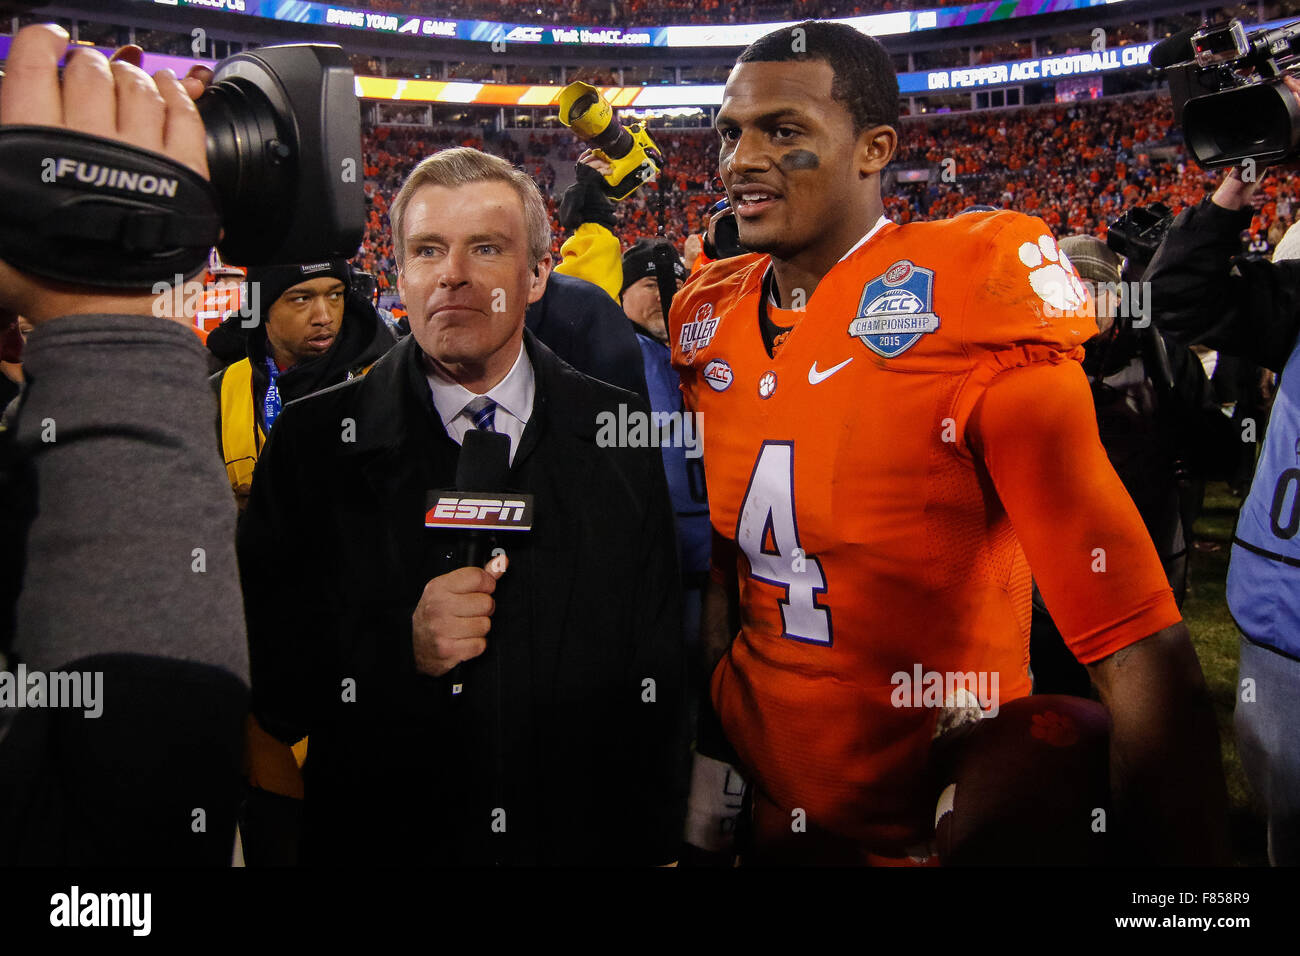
<point>479,505</point>
<point>484,466</point>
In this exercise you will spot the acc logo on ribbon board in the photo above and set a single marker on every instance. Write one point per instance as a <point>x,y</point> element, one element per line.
<point>896,309</point>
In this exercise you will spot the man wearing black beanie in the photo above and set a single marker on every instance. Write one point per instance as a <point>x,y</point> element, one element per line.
<point>640,292</point>
<point>310,331</point>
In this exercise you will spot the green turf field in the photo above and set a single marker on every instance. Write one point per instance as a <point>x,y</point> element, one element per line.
<point>1215,637</point>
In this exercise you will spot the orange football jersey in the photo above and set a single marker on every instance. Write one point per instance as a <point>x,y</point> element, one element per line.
<point>852,473</point>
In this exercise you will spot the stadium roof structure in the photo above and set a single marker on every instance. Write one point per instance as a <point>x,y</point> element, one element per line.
<point>729,35</point>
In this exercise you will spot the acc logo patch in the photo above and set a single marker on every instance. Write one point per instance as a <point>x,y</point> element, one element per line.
<point>698,332</point>
<point>718,375</point>
<point>896,309</point>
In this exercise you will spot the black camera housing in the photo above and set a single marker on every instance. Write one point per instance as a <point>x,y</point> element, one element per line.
<point>1137,234</point>
<point>284,160</point>
<point>1228,94</point>
<point>284,154</point>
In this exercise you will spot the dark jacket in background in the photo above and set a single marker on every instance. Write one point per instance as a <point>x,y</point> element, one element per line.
<point>570,728</point>
<point>1206,292</point>
<point>582,325</point>
<point>363,338</point>
<point>1250,308</point>
<point>228,342</point>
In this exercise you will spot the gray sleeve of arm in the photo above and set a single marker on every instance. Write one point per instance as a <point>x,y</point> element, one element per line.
<point>130,581</point>
<point>132,548</point>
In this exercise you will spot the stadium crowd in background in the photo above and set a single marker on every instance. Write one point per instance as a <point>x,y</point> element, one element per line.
<point>1075,166</point>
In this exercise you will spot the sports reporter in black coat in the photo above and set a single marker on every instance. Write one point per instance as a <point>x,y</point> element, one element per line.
<point>567,743</point>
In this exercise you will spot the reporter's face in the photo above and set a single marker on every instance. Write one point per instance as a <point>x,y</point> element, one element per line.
<point>305,321</point>
<point>467,279</point>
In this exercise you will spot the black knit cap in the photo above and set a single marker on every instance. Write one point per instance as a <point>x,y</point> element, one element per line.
<point>274,281</point>
<point>639,261</point>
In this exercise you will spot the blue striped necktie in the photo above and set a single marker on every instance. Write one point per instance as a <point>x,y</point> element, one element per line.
<point>483,412</point>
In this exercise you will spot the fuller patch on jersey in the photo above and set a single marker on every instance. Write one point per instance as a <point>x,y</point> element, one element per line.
<point>896,309</point>
<point>699,331</point>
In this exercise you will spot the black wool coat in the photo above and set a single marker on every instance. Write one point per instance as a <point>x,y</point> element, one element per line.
<point>567,744</point>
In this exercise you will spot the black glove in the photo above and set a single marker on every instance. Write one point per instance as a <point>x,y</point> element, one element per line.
<point>585,201</point>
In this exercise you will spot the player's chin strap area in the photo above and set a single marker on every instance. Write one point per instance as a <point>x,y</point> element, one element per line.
<point>88,210</point>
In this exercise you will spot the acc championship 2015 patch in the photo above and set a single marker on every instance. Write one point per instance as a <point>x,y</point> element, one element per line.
<point>896,309</point>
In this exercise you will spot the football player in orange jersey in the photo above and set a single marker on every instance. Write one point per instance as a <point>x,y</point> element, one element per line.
<point>896,430</point>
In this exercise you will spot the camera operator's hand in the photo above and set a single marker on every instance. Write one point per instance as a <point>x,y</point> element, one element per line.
<point>586,201</point>
<point>1234,193</point>
<point>597,161</point>
<point>114,99</point>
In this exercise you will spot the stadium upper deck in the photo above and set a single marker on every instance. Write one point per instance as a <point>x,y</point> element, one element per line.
<point>1017,58</point>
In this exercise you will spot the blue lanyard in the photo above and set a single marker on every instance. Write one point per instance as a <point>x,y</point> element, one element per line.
<point>271,404</point>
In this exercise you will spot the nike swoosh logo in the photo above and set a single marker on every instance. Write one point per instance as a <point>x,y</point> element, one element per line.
<point>815,376</point>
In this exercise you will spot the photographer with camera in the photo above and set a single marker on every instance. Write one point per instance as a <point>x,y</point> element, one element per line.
<point>1157,419</point>
<point>118,556</point>
<point>1207,293</point>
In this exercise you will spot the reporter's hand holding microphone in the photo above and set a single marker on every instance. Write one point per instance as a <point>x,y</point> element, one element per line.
<point>454,616</point>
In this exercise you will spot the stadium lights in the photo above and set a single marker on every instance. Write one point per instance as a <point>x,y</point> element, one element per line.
<point>670,112</point>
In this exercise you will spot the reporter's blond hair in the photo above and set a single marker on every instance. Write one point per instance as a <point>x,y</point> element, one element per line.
<point>460,166</point>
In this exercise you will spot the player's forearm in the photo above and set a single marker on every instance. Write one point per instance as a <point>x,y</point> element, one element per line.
<point>1169,797</point>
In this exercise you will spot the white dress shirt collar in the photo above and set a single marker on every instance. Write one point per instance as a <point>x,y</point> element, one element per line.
<point>513,395</point>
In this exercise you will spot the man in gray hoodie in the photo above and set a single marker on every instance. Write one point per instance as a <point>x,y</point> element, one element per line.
<point>123,659</point>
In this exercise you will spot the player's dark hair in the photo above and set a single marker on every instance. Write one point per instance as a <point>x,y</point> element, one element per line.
<point>864,79</point>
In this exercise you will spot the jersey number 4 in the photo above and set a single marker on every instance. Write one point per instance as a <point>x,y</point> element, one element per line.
<point>769,535</point>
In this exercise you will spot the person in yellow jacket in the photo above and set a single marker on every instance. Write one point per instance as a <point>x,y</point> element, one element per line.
<point>310,330</point>
<point>592,251</point>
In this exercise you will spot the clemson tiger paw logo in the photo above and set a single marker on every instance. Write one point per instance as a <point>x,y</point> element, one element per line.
<point>1054,729</point>
<point>1051,275</point>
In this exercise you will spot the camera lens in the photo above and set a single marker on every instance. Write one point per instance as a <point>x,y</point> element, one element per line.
<point>1252,121</point>
<point>249,157</point>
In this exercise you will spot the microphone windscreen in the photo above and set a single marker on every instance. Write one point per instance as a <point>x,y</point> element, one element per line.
<point>1174,49</point>
<point>484,463</point>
